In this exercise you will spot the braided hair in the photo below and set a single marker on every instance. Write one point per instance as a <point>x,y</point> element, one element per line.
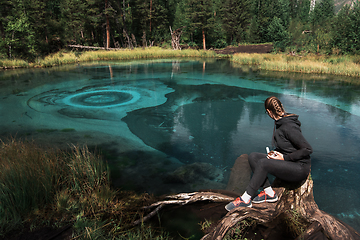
<point>274,105</point>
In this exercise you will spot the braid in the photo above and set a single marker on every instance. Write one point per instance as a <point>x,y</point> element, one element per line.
<point>275,106</point>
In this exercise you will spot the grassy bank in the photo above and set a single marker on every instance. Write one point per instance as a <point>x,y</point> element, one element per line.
<point>47,187</point>
<point>337,65</point>
<point>71,57</point>
<point>11,64</point>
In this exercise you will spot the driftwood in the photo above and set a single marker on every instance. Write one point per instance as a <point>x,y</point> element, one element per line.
<point>296,209</point>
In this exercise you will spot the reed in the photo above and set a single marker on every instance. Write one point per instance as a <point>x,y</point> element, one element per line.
<point>336,65</point>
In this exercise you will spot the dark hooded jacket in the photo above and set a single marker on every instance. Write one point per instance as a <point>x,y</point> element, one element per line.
<point>289,140</point>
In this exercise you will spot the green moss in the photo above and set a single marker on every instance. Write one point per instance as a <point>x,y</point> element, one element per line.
<point>46,130</point>
<point>124,162</point>
<point>166,162</point>
<point>16,91</point>
<point>68,130</point>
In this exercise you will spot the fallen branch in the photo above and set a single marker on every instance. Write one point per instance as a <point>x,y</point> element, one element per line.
<point>182,199</point>
<point>148,216</point>
<point>186,198</point>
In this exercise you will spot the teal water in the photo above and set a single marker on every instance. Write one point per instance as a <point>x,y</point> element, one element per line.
<point>152,118</point>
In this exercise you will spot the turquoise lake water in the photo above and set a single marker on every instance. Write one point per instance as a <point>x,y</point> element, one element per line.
<point>150,118</point>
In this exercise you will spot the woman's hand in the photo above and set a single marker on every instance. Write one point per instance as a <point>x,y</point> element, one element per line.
<point>275,155</point>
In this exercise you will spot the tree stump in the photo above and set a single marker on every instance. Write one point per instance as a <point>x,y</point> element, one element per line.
<point>296,210</point>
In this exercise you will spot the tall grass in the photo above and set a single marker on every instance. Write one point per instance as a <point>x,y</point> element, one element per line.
<point>64,57</point>
<point>11,64</point>
<point>46,186</point>
<point>337,65</point>
<point>123,54</point>
<point>26,178</point>
<point>31,178</point>
<point>56,59</point>
<point>137,53</point>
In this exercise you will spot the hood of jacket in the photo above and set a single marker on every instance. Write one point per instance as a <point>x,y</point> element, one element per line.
<point>289,119</point>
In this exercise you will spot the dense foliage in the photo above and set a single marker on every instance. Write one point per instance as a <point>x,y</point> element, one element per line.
<point>33,29</point>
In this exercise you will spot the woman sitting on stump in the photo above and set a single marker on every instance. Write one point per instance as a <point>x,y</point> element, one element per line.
<point>290,161</point>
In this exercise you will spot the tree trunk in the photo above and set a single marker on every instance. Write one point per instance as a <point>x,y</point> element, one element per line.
<point>129,42</point>
<point>134,40</point>
<point>144,44</point>
<point>2,33</point>
<point>150,13</point>
<point>107,27</point>
<point>203,36</point>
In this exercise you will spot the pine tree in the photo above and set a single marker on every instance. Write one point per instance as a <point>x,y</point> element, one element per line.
<point>5,11</point>
<point>235,17</point>
<point>150,19</point>
<point>323,11</point>
<point>263,12</point>
<point>346,30</point>
<point>20,28</point>
<point>200,18</point>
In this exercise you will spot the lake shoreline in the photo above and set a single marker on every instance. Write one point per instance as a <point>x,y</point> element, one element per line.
<point>257,55</point>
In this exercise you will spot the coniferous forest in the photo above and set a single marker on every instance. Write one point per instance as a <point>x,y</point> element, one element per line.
<point>32,29</point>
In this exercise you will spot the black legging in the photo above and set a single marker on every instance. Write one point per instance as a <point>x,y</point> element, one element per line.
<point>284,170</point>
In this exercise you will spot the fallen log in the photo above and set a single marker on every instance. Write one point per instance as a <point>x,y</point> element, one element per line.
<point>91,47</point>
<point>296,210</point>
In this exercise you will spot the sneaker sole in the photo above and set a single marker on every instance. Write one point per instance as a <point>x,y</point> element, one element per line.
<point>236,207</point>
<point>267,200</point>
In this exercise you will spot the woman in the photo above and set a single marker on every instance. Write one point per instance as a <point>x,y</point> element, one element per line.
<point>290,161</point>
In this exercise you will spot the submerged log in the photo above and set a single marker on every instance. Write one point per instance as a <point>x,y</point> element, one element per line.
<point>296,209</point>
